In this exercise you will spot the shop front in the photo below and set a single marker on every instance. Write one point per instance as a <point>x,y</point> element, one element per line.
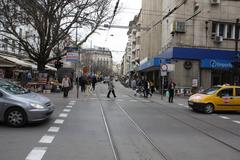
<point>201,68</point>
<point>150,70</point>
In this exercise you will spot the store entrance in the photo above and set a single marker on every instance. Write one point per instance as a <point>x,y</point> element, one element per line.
<point>220,77</point>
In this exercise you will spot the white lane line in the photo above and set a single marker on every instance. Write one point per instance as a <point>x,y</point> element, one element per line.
<point>59,121</point>
<point>145,101</point>
<point>224,117</point>
<point>66,110</point>
<point>37,153</point>
<point>46,139</point>
<point>119,100</point>
<point>69,106</point>
<point>63,115</point>
<point>186,106</point>
<point>238,122</point>
<point>133,100</point>
<point>54,129</point>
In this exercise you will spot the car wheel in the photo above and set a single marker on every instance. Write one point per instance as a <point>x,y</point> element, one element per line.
<point>16,117</point>
<point>209,108</point>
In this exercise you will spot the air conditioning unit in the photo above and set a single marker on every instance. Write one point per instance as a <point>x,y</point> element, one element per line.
<point>214,2</point>
<point>178,27</point>
<point>218,39</point>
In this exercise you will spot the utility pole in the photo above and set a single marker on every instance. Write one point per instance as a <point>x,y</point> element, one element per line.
<point>237,55</point>
<point>76,68</point>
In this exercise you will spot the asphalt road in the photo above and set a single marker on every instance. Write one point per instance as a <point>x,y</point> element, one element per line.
<point>123,128</point>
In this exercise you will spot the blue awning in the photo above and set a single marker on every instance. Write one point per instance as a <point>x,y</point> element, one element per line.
<point>153,63</point>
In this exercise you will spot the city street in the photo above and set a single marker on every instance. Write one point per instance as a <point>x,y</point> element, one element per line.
<point>127,127</point>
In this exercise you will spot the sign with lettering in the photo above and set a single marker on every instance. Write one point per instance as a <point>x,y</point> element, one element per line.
<point>216,64</point>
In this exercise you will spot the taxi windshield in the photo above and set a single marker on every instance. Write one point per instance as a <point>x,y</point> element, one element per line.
<point>211,90</point>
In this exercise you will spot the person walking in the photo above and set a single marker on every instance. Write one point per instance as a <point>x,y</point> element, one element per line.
<point>94,81</point>
<point>66,84</point>
<point>171,88</point>
<point>111,88</point>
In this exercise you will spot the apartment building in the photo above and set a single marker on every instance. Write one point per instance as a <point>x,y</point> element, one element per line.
<point>197,37</point>
<point>97,59</point>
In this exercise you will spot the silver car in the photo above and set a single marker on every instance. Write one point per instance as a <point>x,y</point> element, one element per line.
<point>19,106</point>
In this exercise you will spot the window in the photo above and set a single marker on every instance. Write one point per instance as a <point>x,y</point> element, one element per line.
<point>226,92</point>
<point>221,29</point>
<point>237,91</point>
<point>230,31</point>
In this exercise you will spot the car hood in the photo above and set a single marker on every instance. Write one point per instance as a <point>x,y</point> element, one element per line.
<point>198,97</point>
<point>32,98</point>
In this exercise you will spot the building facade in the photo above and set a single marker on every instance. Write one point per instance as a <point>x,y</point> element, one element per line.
<point>197,37</point>
<point>98,60</point>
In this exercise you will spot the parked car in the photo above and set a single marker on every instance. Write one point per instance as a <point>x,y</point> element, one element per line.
<point>19,106</point>
<point>217,98</point>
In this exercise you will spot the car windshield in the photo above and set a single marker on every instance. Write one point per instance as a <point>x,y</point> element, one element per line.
<point>211,90</point>
<point>13,89</point>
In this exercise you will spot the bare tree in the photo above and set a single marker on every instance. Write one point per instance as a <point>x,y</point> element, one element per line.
<point>50,22</point>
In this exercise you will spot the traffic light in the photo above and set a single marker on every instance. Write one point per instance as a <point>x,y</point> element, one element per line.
<point>58,64</point>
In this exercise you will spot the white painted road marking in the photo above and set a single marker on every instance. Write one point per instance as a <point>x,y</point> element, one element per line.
<point>133,100</point>
<point>46,139</point>
<point>63,115</point>
<point>69,106</point>
<point>37,153</point>
<point>238,122</point>
<point>223,117</point>
<point>59,121</point>
<point>53,129</point>
<point>180,104</point>
<point>145,101</point>
<point>66,110</point>
<point>186,106</point>
<point>119,100</point>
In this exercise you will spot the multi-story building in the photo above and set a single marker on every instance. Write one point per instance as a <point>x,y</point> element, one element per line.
<point>198,37</point>
<point>98,60</point>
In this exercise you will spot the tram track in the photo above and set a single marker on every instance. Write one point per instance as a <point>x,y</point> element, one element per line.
<point>200,130</point>
<point>115,151</point>
<point>162,154</point>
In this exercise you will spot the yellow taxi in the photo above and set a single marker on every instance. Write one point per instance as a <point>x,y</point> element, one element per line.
<point>217,98</point>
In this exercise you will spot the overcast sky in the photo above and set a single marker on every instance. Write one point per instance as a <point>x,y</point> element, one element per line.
<point>116,39</point>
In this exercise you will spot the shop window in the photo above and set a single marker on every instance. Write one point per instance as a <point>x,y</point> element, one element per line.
<point>238,92</point>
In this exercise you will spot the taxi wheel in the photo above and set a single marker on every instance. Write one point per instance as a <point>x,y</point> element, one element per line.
<point>209,108</point>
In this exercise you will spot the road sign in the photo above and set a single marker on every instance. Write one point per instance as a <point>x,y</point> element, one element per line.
<point>163,73</point>
<point>71,48</point>
<point>164,67</point>
<point>72,57</point>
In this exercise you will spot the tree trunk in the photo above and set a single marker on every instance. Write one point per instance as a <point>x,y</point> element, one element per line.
<point>41,66</point>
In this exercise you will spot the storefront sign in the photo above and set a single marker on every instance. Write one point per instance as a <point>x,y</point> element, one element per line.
<point>216,64</point>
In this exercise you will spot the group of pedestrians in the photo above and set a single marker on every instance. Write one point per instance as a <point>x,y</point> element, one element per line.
<point>87,84</point>
<point>146,87</point>
<point>142,86</point>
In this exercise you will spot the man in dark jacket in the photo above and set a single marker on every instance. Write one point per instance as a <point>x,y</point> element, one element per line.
<point>171,88</point>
